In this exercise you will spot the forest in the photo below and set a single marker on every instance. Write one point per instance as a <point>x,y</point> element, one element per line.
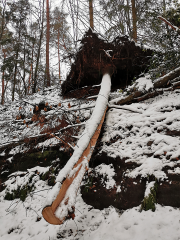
<point>89,119</point>
<point>39,40</point>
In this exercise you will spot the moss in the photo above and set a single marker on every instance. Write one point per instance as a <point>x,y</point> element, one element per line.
<point>30,179</point>
<point>45,176</point>
<point>149,201</point>
<point>51,180</point>
<point>9,196</point>
<point>40,154</point>
<point>19,193</point>
<point>88,184</point>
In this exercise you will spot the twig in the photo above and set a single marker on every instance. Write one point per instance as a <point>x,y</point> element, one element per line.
<point>74,125</point>
<point>77,109</point>
<point>124,108</point>
<point>61,140</point>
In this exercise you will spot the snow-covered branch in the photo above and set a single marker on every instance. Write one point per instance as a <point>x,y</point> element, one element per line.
<point>170,24</point>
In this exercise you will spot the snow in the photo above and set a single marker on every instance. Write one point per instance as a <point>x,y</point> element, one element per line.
<point>142,84</point>
<point>150,166</point>
<point>175,171</point>
<point>24,221</point>
<point>107,172</point>
<point>140,137</point>
<point>142,134</point>
<point>149,186</point>
<point>90,128</point>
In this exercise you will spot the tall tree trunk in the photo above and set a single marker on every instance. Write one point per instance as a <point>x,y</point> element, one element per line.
<point>38,54</point>
<point>3,90</point>
<point>91,14</point>
<point>59,56</point>
<point>24,66</point>
<point>47,44</point>
<point>164,10</point>
<point>128,18</point>
<point>31,70</point>
<point>15,74</point>
<point>134,17</point>
<point>3,19</point>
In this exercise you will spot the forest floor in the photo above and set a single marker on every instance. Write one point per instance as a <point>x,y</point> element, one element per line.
<point>132,187</point>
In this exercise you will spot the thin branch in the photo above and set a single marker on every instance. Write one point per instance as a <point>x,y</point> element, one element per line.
<point>74,125</point>
<point>61,140</point>
<point>125,108</point>
<point>77,109</point>
<point>170,24</point>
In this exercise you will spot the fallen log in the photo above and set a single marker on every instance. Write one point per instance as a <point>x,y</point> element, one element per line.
<point>171,78</point>
<point>59,204</point>
<point>160,82</point>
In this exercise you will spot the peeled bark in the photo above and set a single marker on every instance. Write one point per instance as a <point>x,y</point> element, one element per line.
<point>63,206</point>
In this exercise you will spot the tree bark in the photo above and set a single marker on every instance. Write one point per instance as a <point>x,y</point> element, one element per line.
<point>15,73</point>
<point>74,170</point>
<point>134,17</point>
<point>24,66</point>
<point>31,70</point>
<point>3,89</point>
<point>47,44</point>
<point>38,54</point>
<point>59,56</point>
<point>128,19</point>
<point>91,14</point>
<point>137,96</point>
<point>160,82</point>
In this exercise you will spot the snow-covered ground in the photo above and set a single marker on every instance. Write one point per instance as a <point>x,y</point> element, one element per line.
<point>23,220</point>
<point>140,135</point>
<point>135,136</point>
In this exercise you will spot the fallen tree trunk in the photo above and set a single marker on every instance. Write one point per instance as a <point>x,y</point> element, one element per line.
<point>59,205</point>
<point>171,78</point>
<point>160,82</point>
